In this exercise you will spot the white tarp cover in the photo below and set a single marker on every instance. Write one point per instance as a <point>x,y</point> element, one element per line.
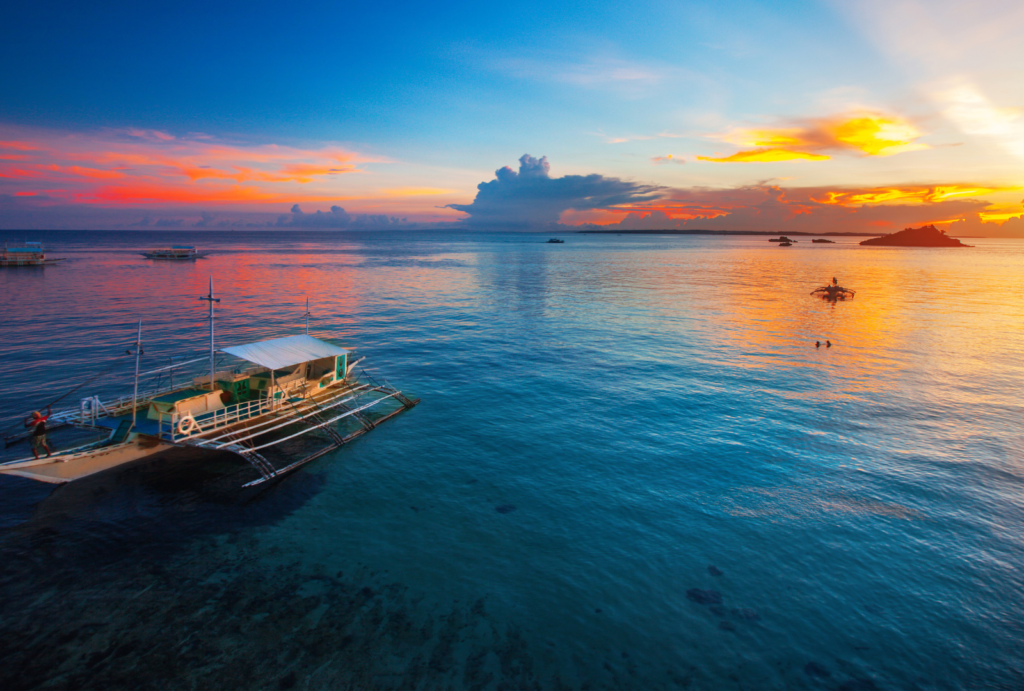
<point>285,352</point>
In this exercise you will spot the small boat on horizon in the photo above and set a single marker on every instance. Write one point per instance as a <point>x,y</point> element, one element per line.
<point>27,254</point>
<point>781,238</point>
<point>173,252</point>
<point>556,241</point>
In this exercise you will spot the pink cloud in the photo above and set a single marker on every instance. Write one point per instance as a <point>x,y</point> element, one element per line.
<point>187,168</point>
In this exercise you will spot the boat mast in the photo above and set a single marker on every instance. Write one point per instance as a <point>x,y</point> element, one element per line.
<point>138,355</point>
<point>307,316</point>
<point>209,298</point>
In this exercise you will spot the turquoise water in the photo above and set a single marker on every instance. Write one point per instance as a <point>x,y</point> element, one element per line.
<point>631,469</point>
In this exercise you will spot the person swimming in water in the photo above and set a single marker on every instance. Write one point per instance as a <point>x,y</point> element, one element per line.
<point>828,344</point>
<point>817,344</point>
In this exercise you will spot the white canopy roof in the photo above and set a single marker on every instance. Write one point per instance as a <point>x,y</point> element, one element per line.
<point>284,352</point>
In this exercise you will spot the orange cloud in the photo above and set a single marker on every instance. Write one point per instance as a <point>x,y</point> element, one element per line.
<point>1000,213</point>
<point>871,134</point>
<point>766,156</point>
<point>95,173</point>
<point>17,146</point>
<point>908,195</point>
<point>29,173</point>
<point>304,172</point>
<point>877,135</point>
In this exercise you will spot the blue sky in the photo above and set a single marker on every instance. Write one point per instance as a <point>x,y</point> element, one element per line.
<point>438,98</point>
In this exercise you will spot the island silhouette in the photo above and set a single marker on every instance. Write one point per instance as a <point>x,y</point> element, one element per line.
<point>925,236</point>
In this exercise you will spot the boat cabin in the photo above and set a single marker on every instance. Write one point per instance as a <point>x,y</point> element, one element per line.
<point>283,370</point>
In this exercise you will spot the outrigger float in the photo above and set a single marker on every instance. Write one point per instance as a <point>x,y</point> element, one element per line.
<point>285,388</point>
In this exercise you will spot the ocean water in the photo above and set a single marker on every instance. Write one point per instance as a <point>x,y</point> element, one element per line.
<point>631,469</point>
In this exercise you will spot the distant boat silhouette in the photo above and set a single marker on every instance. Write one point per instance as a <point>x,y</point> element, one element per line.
<point>834,291</point>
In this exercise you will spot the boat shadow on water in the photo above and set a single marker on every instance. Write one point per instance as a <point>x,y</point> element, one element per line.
<point>154,504</point>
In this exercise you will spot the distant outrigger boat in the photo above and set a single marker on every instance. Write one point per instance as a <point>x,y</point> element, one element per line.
<point>173,252</point>
<point>292,386</point>
<point>26,254</point>
<point>833,292</point>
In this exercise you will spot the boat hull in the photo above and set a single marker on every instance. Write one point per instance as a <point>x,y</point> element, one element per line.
<point>30,262</point>
<point>58,470</point>
<point>173,257</point>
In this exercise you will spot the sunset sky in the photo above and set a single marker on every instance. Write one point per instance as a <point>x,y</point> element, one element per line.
<point>824,116</point>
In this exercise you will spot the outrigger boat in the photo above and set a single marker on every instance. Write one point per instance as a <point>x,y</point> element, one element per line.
<point>26,254</point>
<point>283,388</point>
<point>833,292</point>
<point>173,252</point>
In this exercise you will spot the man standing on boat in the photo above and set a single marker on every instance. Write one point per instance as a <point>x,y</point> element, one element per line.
<point>37,423</point>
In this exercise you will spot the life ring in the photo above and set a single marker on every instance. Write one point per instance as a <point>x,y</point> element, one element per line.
<point>187,424</point>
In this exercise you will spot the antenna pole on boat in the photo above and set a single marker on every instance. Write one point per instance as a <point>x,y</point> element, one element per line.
<point>138,355</point>
<point>307,316</point>
<point>209,298</point>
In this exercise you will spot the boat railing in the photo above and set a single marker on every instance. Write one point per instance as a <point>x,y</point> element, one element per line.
<point>92,408</point>
<point>216,419</point>
<point>202,426</point>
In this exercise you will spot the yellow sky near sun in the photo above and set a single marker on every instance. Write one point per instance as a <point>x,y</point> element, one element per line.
<point>868,134</point>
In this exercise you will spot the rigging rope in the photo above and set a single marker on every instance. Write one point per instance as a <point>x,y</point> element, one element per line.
<point>116,362</point>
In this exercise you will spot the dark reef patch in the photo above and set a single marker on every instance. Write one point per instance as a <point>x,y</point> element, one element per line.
<point>858,685</point>
<point>209,617</point>
<point>704,597</point>
<point>813,669</point>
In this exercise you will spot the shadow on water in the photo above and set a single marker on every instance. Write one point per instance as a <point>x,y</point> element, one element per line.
<point>153,507</point>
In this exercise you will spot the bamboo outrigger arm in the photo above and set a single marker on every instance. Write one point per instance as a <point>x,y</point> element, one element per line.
<point>267,470</point>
